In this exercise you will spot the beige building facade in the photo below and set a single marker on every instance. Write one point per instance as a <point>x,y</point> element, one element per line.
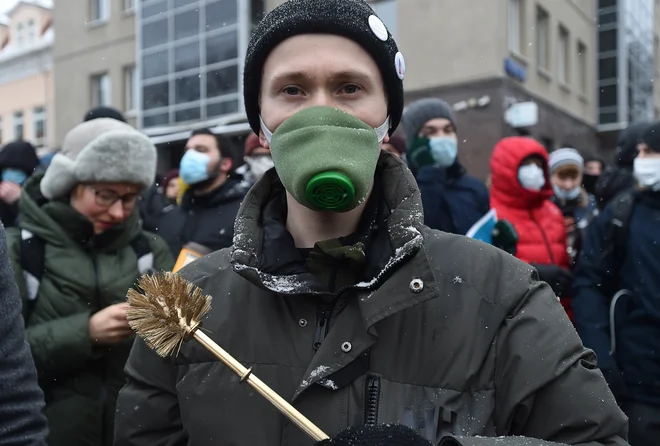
<point>94,60</point>
<point>483,61</point>
<point>26,82</point>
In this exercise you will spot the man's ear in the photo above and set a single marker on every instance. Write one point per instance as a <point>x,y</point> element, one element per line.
<point>226,165</point>
<point>386,139</point>
<point>262,140</point>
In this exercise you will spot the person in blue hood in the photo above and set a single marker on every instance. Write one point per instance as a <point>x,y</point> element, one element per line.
<point>453,200</point>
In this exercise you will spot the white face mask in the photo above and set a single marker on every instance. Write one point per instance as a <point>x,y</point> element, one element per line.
<point>259,165</point>
<point>647,172</point>
<point>531,177</point>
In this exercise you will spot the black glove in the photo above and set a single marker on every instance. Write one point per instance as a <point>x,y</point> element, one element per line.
<point>559,279</point>
<point>381,435</point>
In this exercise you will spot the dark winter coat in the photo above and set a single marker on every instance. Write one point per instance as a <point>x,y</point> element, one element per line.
<point>151,208</point>
<point>21,399</point>
<point>599,276</point>
<point>443,333</point>
<point>207,220</point>
<point>83,274</point>
<point>453,200</point>
<point>583,210</point>
<point>22,156</point>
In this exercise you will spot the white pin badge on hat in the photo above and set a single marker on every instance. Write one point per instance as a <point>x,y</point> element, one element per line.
<point>400,65</point>
<point>378,28</point>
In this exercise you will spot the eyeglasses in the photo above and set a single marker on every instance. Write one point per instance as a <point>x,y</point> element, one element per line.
<point>107,198</point>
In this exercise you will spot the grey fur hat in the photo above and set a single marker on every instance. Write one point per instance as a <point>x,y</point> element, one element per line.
<point>100,150</point>
<point>422,111</point>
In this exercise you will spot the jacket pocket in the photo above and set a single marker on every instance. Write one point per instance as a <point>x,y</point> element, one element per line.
<point>432,412</point>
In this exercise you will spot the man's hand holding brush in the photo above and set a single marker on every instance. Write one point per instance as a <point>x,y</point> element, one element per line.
<point>110,325</point>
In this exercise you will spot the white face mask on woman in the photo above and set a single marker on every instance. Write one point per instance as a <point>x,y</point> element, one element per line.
<point>647,172</point>
<point>259,165</point>
<point>531,177</point>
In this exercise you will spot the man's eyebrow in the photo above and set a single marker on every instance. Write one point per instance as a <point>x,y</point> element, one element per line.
<point>292,76</point>
<point>288,76</point>
<point>353,75</point>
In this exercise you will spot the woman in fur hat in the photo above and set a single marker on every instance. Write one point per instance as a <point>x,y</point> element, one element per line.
<point>78,248</point>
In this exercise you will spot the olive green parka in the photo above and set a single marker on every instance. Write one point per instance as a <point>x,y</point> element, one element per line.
<point>83,274</point>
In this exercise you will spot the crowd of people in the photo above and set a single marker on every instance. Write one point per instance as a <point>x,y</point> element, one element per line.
<point>367,307</point>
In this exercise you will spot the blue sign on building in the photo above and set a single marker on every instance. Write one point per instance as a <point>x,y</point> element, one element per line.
<point>515,70</point>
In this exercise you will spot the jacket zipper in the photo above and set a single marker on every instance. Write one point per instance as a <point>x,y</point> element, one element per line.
<point>545,238</point>
<point>104,390</point>
<point>372,398</point>
<point>322,319</point>
<point>324,313</point>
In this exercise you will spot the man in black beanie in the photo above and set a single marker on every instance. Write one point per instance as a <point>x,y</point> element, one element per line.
<point>102,111</point>
<point>341,300</point>
<point>619,178</point>
<point>453,200</point>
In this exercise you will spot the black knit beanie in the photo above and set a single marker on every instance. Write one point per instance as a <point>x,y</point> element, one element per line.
<point>353,19</point>
<point>651,137</point>
<point>626,146</point>
<point>102,111</point>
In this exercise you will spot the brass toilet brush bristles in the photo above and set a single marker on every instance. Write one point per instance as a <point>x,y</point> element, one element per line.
<point>166,310</point>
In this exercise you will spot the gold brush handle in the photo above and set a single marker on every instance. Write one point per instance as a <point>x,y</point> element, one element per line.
<point>275,399</point>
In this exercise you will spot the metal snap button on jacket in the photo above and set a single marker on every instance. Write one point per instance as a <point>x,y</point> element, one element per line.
<point>302,322</point>
<point>346,347</point>
<point>416,285</point>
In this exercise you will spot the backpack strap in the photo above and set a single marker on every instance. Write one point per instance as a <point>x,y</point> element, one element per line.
<point>33,252</point>
<point>621,211</point>
<point>145,256</point>
<point>622,208</point>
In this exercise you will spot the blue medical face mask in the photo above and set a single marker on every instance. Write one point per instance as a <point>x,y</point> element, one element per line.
<point>14,176</point>
<point>193,168</point>
<point>443,150</point>
<point>567,194</point>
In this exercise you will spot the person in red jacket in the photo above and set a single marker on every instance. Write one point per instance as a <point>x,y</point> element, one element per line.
<point>520,194</point>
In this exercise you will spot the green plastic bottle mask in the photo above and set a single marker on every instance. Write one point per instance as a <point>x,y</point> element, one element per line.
<point>326,158</point>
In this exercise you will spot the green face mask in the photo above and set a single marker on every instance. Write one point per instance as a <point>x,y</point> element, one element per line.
<point>326,158</point>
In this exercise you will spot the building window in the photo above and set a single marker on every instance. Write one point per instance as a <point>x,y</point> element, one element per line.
<point>30,31</point>
<point>190,60</point>
<point>18,125</point>
<point>129,5</point>
<point>101,90</point>
<point>515,22</point>
<point>19,34</point>
<point>542,38</point>
<point>563,56</point>
<point>38,126</point>
<point>98,10</point>
<point>582,65</point>
<point>130,88</point>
